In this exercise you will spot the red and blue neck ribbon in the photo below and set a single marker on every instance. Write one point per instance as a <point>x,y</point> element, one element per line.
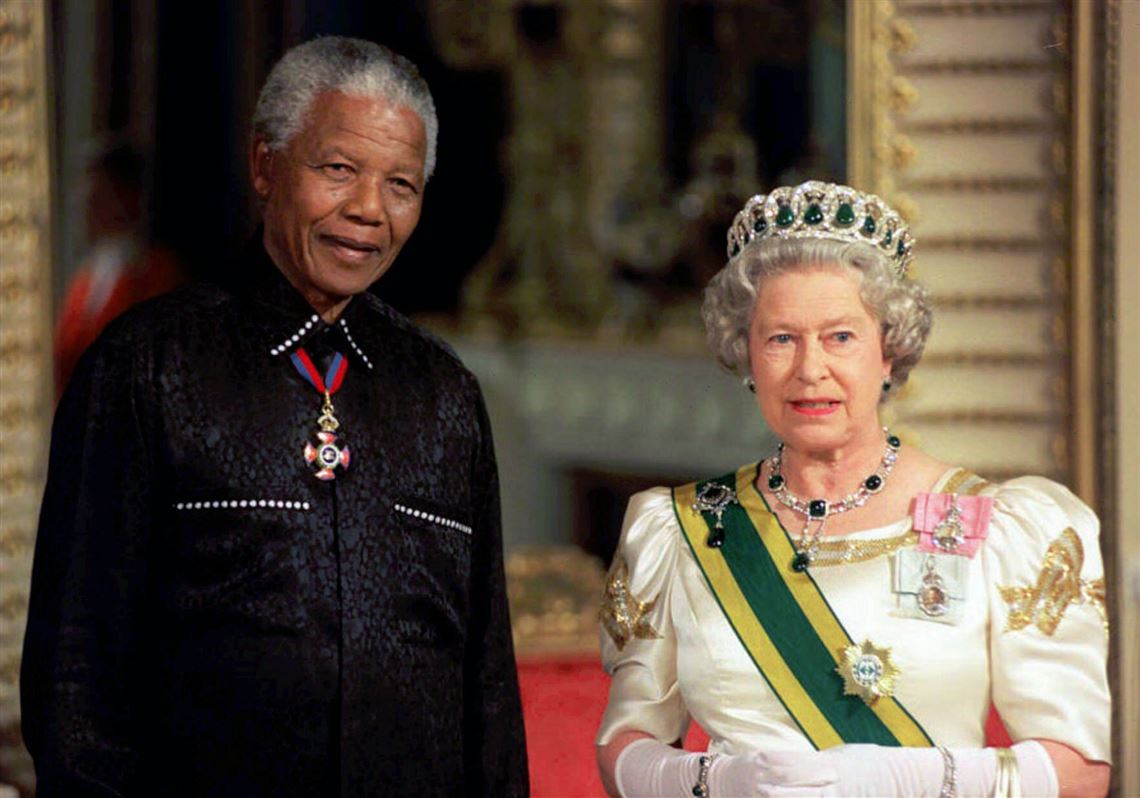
<point>333,378</point>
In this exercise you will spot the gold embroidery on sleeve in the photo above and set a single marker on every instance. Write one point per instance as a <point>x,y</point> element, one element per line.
<point>622,615</point>
<point>1058,585</point>
<point>1093,593</point>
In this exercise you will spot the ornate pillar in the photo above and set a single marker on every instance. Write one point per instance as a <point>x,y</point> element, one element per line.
<point>990,124</point>
<point>962,119</point>
<point>25,340</point>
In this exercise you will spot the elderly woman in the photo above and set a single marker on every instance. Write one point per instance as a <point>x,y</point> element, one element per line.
<point>839,616</point>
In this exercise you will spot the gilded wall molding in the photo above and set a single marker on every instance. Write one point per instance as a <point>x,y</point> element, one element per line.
<point>872,147</point>
<point>618,182</point>
<point>16,540</point>
<point>1082,317</point>
<point>978,125</point>
<point>979,243</point>
<point>987,358</point>
<point>977,8</point>
<point>886,51</point>
<point>978,66</point>
<point>549,271</point>
<point>980,184</point>
<point>555,593</point>
<point>25,340</point>
<point>982,416</point>
<point>1006,474</point>
<point>991,301</point>
<point>1120,154</point>
<point>892,65</point>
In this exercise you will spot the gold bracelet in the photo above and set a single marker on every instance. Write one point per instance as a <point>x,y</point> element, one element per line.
<point>1008,782</point>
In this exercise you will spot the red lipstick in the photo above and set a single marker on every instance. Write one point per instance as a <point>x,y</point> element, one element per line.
<point>816,407</point>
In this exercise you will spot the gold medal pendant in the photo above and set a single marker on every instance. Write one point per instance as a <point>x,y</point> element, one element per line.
<point>868,671</point>
<point>929,586</point>
<point>933,597</point>
<point>329,453</point>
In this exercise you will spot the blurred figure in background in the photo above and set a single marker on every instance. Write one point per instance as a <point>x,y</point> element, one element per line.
<point>120,267</point>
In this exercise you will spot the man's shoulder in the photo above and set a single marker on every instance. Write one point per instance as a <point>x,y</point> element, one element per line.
<point>168,313</point>
<point>138,340</point>
<point>419,342</point>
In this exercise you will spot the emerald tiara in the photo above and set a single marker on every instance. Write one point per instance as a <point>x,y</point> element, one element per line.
<point>823,210</point>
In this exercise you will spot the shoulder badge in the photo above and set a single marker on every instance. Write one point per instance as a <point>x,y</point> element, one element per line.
<point>1058,585</point>
<point>622,615</point>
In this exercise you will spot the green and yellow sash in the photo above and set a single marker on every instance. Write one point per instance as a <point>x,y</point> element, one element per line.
<point>785,623</point>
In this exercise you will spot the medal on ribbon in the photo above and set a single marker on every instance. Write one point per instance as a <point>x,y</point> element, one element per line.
<point>948,523</point>
<point>929,586</point>
<point>329,452</point>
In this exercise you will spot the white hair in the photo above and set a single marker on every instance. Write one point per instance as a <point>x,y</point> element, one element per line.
<point>350,66</point>
<point>902,307</point>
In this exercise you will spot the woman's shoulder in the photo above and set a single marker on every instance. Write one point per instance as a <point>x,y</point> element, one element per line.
<point>1035,511</point>
<point>1034,494</point>
<point>1028,494</point>
<point>1031,522</point>
<point>651,516</point>
<point>640,573</point>
<point>650,537</point>
<point>653,502</point>
<point>1025,513</point>
<point>1037,501</point>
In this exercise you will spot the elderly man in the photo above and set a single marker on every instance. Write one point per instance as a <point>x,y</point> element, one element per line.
<point>269,560</point>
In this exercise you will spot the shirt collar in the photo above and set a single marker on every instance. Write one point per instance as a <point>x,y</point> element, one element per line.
<point>285,321</point>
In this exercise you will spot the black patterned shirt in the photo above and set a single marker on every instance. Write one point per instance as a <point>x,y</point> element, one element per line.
<point>207,618</point>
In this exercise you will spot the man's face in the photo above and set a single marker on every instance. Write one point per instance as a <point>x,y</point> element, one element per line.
<point>342,197</point>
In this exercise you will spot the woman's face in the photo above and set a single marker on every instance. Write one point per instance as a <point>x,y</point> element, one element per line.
<point>817,358</point>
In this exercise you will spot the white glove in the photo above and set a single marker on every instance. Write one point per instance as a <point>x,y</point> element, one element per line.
<point>874,771</point>
<point>650,769</point>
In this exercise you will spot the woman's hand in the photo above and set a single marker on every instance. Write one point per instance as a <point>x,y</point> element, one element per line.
<point>635,765</point>
<point>651,768</point>
<point>849,771</point>
<point>872,770</point>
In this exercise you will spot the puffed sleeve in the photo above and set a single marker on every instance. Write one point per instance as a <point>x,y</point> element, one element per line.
<point>1048,629</point>
<point>639,648</point>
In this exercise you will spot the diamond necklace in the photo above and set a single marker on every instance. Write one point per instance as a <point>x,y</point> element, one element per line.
<point>817,511</point>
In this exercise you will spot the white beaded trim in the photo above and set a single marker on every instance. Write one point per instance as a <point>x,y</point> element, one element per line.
<point>435,519</point>
<point>285,345</point>
<point>234,504</point>
<point>352,343</point>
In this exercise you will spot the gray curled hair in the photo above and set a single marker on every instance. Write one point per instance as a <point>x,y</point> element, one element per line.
<point>350,66</point>
<point>902,306</point>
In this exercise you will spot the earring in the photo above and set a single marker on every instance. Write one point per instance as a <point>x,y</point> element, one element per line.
<point>750,384</point>
<point>886,384</point>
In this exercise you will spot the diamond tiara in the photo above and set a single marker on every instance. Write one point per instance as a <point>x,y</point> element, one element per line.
<point>823,210</point>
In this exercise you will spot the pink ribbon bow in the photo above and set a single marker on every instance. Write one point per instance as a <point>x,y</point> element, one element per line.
<point>951,524</point>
